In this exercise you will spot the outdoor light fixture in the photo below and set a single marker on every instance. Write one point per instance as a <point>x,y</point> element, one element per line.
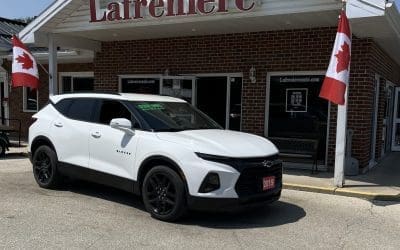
<point>252,75</point>
<point>166,72</point>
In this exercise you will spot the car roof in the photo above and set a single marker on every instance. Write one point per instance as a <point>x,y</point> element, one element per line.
<point>119,96</point>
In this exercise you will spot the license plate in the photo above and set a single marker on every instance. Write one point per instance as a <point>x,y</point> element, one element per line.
<point>268,183</point>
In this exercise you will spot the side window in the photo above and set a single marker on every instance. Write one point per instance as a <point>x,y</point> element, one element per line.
<point>63,106</point>
<point>110,109</point>
<point>81,109</point>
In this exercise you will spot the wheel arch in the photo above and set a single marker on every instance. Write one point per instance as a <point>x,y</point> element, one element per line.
<point>157,160</point>
<point>40,141</point>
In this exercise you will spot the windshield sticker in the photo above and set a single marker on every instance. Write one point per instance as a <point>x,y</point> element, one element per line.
<point>150,106</point>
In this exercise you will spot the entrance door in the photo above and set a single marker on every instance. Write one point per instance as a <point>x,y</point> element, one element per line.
<point>388,121</point>
<point>179,86</point>
<point>220,98</point>
<point>396,122</point>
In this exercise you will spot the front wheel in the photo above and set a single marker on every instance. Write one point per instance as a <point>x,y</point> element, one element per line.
<point>45,167</point>
<point>163,193</point>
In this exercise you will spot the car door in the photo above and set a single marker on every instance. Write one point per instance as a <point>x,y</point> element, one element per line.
<point>70,130</point>
<point>112,151</point>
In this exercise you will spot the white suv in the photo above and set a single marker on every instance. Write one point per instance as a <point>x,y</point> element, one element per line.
<point>159,147</point>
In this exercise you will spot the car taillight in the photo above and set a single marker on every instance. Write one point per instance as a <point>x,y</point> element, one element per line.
<point>33,120</point>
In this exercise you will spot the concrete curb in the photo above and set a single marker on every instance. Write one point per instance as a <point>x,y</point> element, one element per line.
<point>343,192</point>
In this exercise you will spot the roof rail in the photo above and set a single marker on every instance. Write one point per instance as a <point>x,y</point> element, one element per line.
<point>93,92</point>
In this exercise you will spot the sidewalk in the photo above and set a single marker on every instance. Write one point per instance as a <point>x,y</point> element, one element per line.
<point>381,183</point>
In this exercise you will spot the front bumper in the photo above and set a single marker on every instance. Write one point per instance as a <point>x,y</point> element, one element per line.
<point>248,186</point>
<point>231,204</point>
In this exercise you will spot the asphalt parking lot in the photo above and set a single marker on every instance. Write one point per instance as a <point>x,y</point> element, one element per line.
<point>88,216</point>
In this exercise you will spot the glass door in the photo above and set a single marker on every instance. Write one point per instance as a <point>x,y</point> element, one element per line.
<point>388,120</point>
<point>220,97</point>
<point>396,122</point>
<point>179,86</point>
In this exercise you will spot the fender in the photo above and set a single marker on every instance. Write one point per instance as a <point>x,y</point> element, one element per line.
<point>143,169</point>
<point>44,140</point>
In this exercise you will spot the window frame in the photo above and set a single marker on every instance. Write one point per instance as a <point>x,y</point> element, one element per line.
<point>25,103</point>
<point>83,74</point>
<point>96,113</point>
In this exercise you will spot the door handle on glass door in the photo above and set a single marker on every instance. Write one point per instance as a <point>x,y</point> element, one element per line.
<point>96,135</point>
<point>58,124</point>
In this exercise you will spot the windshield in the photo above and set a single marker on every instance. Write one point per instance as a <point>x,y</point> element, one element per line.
<point>173,116</point>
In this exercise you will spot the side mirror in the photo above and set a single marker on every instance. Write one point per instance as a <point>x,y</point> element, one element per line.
<point>123,125</point>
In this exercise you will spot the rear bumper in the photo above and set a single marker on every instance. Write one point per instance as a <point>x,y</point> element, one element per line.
<point>231,204</point>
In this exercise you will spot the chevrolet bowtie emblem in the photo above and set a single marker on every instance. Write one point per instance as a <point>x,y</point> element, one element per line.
<point>267,164</point>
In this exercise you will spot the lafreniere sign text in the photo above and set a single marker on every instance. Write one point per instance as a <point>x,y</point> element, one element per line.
<point>136,9</point>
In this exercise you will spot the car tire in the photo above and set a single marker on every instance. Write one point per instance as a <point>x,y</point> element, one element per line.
<point>45,168</point>
<point>164,194</point>
<point>3,148</point>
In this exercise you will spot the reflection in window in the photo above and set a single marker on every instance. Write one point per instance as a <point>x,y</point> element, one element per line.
<point>30,100</point>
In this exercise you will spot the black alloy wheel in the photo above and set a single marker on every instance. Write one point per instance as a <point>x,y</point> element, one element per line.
<point>45,167</point>
<point>164,194</point>
<point>3,148</point>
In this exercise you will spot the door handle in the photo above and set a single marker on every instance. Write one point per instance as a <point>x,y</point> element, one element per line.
<point>58,124</point>
<point>96,135</point>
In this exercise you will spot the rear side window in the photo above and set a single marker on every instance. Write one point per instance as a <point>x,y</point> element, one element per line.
<point>81,109</point>
<point>63,106</point>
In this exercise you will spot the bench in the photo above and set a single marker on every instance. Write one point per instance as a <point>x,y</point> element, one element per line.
<point>298,147</point>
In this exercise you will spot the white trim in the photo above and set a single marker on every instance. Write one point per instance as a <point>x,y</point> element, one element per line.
<point>73,75</point>
<point>24,102</point>
<point>372,161</point>
<point>385,120</point>
<point>268,95</point>
<point>396,119</point>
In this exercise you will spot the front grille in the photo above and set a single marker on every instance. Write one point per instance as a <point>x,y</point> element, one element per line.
<point>250,182</point>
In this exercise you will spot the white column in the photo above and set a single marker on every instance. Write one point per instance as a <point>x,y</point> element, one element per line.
<point>53,71</point>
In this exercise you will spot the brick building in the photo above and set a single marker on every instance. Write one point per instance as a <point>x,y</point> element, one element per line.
<point>255,66</point>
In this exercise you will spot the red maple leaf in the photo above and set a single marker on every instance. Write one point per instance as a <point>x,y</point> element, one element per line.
<point>25,60</point>
<point>343,58</point>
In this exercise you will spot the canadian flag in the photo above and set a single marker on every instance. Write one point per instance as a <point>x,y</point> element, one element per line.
<point>337,77</point>
<point>24,67</point>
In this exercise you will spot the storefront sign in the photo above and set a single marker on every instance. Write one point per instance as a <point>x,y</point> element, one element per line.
<point>296,100</point>
<point>136,9</point>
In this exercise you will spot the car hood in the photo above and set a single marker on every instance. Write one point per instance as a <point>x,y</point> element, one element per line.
<point>222,142</point>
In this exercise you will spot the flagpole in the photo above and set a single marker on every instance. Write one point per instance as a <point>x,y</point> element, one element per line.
<point>341,131</point>
<point>339,178</point>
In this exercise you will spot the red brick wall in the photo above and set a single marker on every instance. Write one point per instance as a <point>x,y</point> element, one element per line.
<point>16,95</point>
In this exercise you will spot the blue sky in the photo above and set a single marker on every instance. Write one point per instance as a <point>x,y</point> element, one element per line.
<point>28,8</point>
<point>22,8</point>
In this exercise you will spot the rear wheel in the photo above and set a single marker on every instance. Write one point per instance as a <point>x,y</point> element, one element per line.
<point>163,193</point>
<point>3,148</point>
<point>45,167</point>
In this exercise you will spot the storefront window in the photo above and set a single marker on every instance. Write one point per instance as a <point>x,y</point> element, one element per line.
<point>179,88</point>
<point>296,111</point>
<point>75,83</point>
<point>140,85</point>
<point>30,101</point>
<point>397,136</point>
